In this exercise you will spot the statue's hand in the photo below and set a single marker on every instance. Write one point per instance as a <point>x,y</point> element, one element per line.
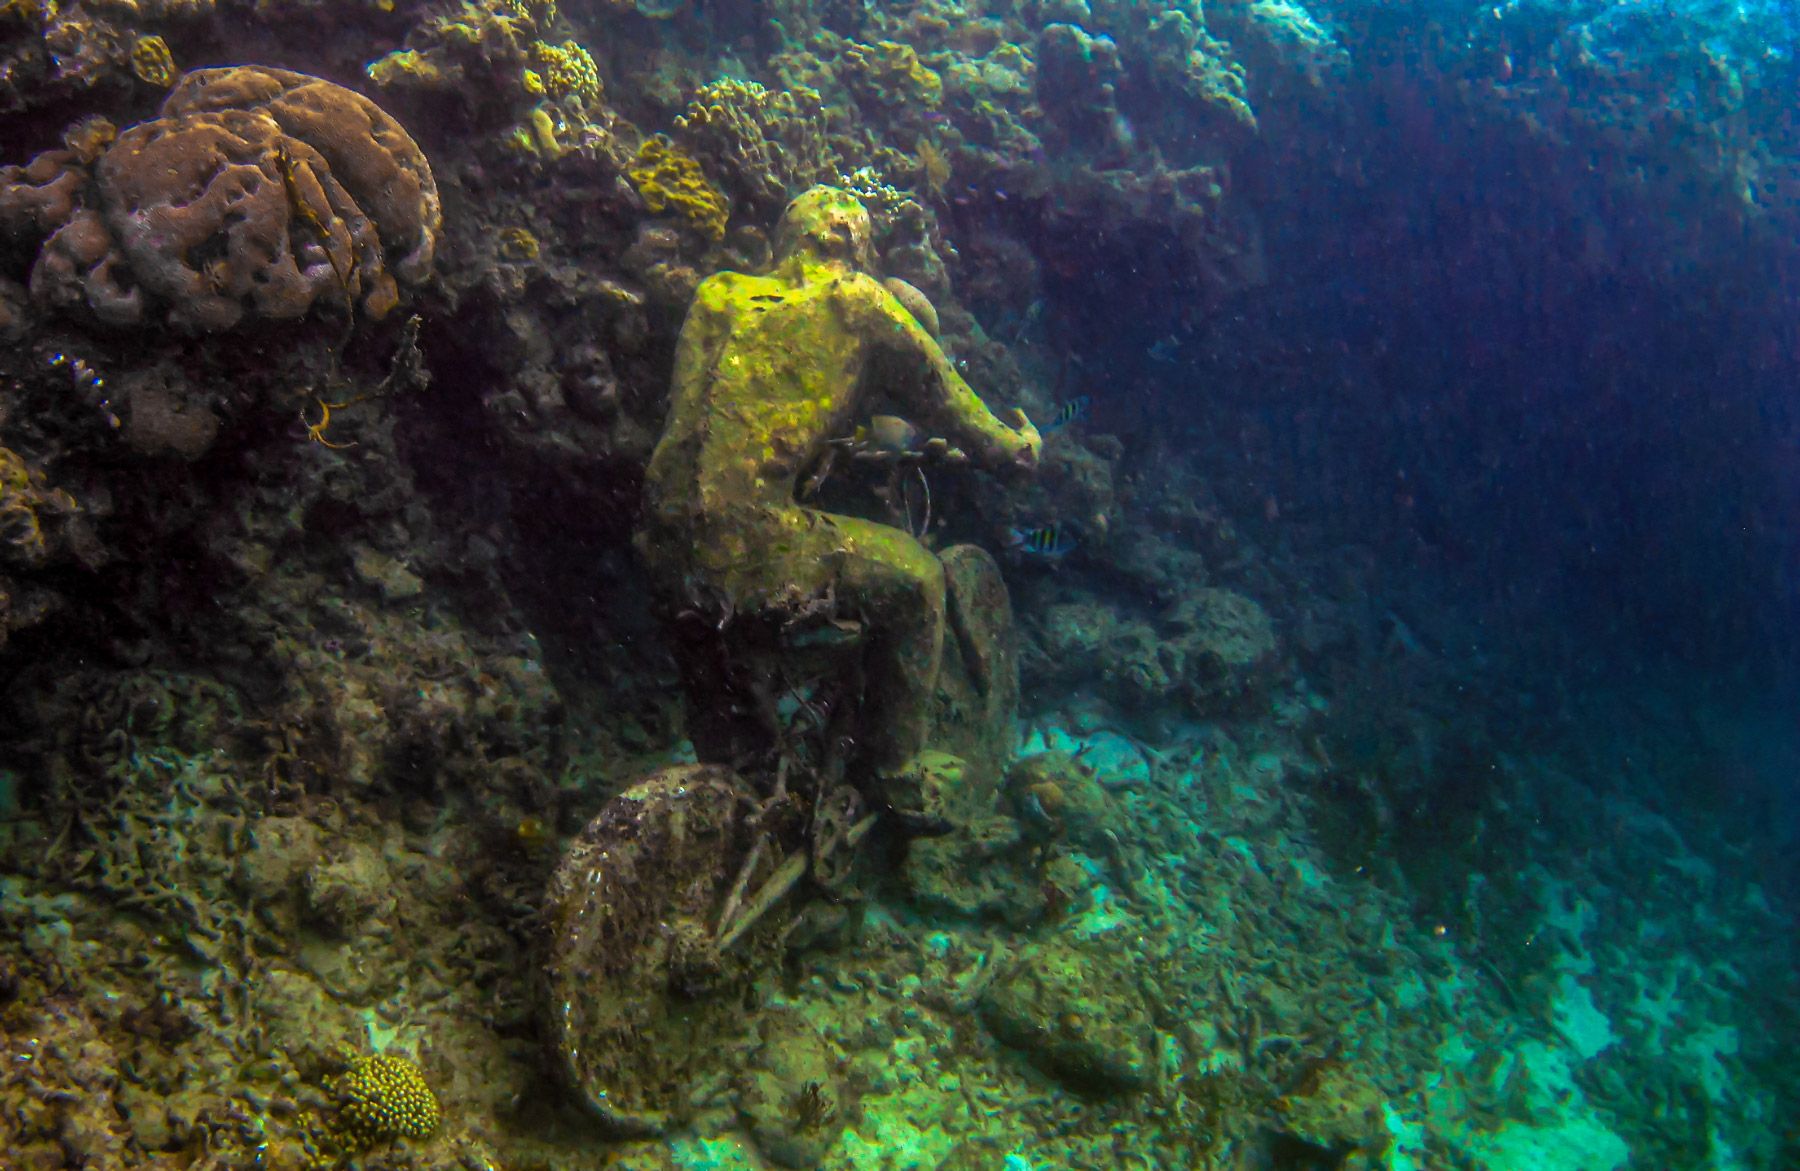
<point>1032,443</point>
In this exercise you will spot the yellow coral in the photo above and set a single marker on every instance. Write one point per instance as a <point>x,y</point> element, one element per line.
<point>383,1098</point>
<point>540,137</point>
<point>89,138</point>
<point>892,74</point>
<point>20,494</point>
<point>670,180</point>
<point>934,167</point>
<point>409,66</point>
<point>518,244</point>
<point>565,70</point>
<point>541,13</point>
<point>152,62</point>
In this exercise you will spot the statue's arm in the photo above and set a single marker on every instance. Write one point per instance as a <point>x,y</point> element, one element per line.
<point>944,401</point>
<point>704,333</point>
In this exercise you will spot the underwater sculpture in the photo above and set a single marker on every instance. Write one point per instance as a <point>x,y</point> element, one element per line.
<point>692,884</point>
<point>768,371</point>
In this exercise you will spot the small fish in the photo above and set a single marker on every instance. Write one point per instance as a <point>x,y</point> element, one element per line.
<point>1076,408</point>
<point>820,473</point>
<point>888,433</point>
<point>1048,541</point>
<point>838,632</point>
<point>532,834</point>
<point>1167,351</point>
<point>1033,313</point>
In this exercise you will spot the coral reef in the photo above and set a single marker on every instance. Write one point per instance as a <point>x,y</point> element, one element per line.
<point>769,145</point>
<point>1226,642</point>
<point>1212,651</point>
<point>1076,1015</point>
<point>202,216</point>
<point>889,74</point>
<point>381,1098</point>
<point>509,61</point>
<point>349,811</point>
<point>672,182</point>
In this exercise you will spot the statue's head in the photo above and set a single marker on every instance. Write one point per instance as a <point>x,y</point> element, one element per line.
<point>826,223</point>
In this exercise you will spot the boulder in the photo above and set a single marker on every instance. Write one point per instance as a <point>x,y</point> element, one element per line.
<point>1077,1015</point>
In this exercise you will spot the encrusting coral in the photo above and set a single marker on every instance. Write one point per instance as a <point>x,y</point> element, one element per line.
<point>256,192</point>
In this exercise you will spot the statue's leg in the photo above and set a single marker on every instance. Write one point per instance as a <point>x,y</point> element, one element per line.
<point>875,573</point>
<point>722,637</point>
<point>897,586</point>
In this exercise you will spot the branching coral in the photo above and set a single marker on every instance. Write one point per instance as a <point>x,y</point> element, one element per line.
<point>671,180</point>
<point>769,144</point>
<point>563,71</point>
<point>889,207</point>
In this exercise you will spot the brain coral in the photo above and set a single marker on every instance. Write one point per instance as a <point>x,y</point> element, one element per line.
<point>383,1098</point>
<point>254,192</point>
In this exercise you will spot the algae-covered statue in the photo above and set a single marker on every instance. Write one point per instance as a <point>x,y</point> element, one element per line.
<point>769,370</point>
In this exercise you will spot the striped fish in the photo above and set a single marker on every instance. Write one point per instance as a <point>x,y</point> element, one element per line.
<point>1049,541</point>
<point>1069,412</point>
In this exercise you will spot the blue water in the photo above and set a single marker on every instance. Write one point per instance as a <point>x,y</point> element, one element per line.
<point>1401,582</point>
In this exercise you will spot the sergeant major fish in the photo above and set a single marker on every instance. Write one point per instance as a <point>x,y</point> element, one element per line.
<point>1076,408</point>
<point>1050,542</point>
